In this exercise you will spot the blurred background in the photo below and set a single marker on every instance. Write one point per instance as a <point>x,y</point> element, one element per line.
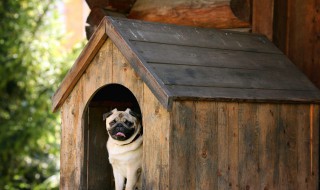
<point>39,41</point>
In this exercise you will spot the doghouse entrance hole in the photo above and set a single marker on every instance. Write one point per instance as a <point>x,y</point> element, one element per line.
<point>97,172</point>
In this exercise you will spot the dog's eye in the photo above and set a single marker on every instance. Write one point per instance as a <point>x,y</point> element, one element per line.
<point>128,123</point>
<point>112,122</point>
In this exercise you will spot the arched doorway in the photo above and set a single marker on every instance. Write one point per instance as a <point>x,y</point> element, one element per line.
<point>97,172</point>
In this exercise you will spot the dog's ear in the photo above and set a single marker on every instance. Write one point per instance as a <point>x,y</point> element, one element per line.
<point>106,115</point>
<point>134,114</point>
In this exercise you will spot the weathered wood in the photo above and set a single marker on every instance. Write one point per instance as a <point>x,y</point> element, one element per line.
<point>211,57</point>
<point>79,67</point>
<point>241,94</point>
<point>233,149</point>
<point>207,147</point>
<point>190,36</point>
<point>182,171</point>
<point>184,75</point>
<point>262,17</point>
<point>156,143</point>
<point>248,147</point>
<point>211,14</point>
<point>304,146</point>
<point>268,117</point>
<point>223,142</point>
<point>314,145</point>
<point>288,147</point>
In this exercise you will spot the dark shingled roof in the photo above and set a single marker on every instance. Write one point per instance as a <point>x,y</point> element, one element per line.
<point>187,63</point>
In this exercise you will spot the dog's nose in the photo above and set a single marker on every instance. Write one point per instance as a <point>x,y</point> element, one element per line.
<point>119,125</point>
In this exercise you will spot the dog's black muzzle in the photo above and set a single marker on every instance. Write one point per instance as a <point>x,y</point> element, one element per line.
<point>121,132</point>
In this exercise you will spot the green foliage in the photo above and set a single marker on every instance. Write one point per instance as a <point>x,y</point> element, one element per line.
<point>32,63</point>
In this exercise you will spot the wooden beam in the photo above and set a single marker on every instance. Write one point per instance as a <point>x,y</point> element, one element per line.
<point>262,17</point>
<point>212,14</point>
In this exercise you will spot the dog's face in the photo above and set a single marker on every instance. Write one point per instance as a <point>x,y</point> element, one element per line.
<point>121,125</point>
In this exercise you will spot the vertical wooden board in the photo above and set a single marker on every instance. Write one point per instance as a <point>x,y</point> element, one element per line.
<point>71,150</point>
<point>99,71</point>
<point>248,147</point>
<point>288,147</point>
<point>123,73</point>
<point>314,135</point>
<point>182,146</point>
<point>156,123</point>
<point>303,147</point>
<point>262,17</point>
<point>84,160</point>
<point>223,146</point>
<point>206,139</point>
<point>99,170</point>
<point>268,116</point>
<point>233,147</point>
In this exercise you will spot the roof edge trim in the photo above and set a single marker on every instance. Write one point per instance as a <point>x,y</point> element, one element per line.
<point>80,65</point>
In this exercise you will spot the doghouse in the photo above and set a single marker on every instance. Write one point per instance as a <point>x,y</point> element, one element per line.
<point>220,109</point>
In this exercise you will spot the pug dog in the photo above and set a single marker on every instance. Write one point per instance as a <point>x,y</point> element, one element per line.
<point>124,146</point>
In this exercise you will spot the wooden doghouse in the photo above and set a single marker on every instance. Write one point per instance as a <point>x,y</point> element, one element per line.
<point>221,110</point>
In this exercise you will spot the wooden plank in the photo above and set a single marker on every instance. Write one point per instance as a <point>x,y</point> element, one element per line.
<point>288,160</point>
<point>188,55</point>
<point>207,147</point>
<point>241,94</point>
<point>268,117</point>
<point>314,145</point>
<point>72,139</point>
<point>189,36</point>
<point>184,75</point>
<point>223,146</point>
<point>248,147</point>
<point>233,149</point>
<point>156,124</point>
<point>182,146</point>
<point>304,158</point>
<point>79,67</point>
<point>262,17</point>
<point>99,170</point>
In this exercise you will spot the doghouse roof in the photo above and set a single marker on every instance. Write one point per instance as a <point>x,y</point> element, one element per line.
<point>187,63</point>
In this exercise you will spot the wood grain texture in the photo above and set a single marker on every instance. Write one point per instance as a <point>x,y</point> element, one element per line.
<point>288,147</point>
<point>182,171</point>
<point>207,145</point>
<point>200,14</point>
<point>190,36</point>
<point>263,17</point>
<point>156,124</point>
<point>243,146</point>
<point>233,149</point>
<point>268,117</point>
<point>248,146</point>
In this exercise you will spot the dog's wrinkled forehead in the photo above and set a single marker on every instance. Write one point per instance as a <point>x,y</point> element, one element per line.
<point>119,115</point>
